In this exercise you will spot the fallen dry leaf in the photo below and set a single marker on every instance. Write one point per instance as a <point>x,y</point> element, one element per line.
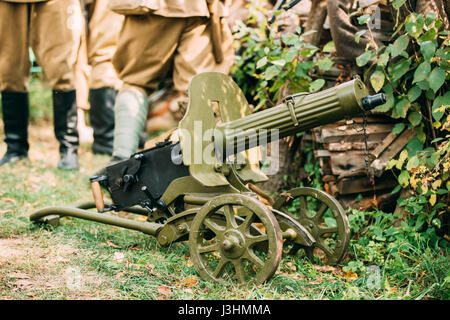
<point>190,282</point>
<point>325,268</point>
<point>23,283</point>
<point>291,266</point>
<point>10,200</point>
<point>349,275</point>
<point>111,244</point>
<point>165,290</point>
<point>19,276</point>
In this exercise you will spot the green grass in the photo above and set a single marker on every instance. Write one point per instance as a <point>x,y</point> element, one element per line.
<point>86,260</point>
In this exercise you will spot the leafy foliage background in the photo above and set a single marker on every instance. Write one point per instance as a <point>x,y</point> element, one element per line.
<point>413,71</point>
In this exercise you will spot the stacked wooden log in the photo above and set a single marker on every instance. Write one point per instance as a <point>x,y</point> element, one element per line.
<point>341,150</point>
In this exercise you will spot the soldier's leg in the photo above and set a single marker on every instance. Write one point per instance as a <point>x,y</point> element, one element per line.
<point>104,28</point>
<point>82,71</point>
<point>195,53</point>
<point>144,53</point>
<point>14,75</point>
<point>55,34</point>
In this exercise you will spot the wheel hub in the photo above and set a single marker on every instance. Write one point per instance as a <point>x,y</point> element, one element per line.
<point>233,244</point>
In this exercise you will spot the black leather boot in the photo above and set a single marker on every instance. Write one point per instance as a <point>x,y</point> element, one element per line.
<point>65,125</point>
<point>101,116</point>
<point>15,119</point>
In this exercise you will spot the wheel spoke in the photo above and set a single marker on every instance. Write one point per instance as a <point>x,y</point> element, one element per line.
<point>251,240</point>
<point>210,224</point>
<point>321,212</point>
<point>229,215</point>
<point>323,230</point>
<point>322,245</point>
<point>220,268</point>
<point>240,272</point>
<point>244,227</point>
<point>303,208</point>
<point>209,248</point>
<point>254,258</point>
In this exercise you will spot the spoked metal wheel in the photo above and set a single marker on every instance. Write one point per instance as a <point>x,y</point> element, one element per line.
<point>231,250</point>
<point>323,217</point>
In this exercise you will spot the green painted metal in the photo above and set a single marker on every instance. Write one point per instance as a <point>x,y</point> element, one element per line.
<point>145,227</point>
<point>300,112</point>
<point>315,223</point>
<point>301,235</point>
<point>231,251</point>
<point>91,205</point>
<point>218,123</point>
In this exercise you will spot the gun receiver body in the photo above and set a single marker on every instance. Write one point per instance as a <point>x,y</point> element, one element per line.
<point>217,104</point>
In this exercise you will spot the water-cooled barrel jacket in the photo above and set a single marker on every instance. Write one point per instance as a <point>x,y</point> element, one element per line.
<point>167,8</point>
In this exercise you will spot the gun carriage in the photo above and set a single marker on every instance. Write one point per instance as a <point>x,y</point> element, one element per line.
<point>195,189</point>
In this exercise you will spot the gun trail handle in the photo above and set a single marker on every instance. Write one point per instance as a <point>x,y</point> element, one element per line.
<point>98,196</point>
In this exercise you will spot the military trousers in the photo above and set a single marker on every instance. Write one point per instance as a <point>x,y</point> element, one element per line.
<point>52,29</point>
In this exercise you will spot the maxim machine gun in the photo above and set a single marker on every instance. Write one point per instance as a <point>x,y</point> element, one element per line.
<point>201,187</point>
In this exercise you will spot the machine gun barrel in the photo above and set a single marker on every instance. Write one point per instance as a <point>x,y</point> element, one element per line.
<point>297,113</point>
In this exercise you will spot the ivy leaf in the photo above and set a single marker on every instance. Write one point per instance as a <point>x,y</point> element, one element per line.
<point>424,85</point>
<point>383,59</point>
<point>401,159</point>
<point>261,63</point>
<point>414,25</point>
<point>413,162</point>
<point>420,134</point>
<point>400,45</point>
<point>325,64</point>
<point>415,118</point>
<point>427,36</point>
<point>428,48</point>
<point>414,93</point>
<point>403,178</point>
<point>316,85</point>
<point>438,102</point>
<point>437,79</point>
<point>364,19</point>
<point>400,68</point>
<point>329,47</point>
<point>398,128</point>
<point>422,72</point>
<point>377,80</point>
<point>429,18</point>
<point>398,3</point>
<point>271,72</point>
<point>291,54</point>
<point>401,108</point>
<point>290,38</point>
<point>414,145</point>
<point>362,59</point>
<point>390,101</point>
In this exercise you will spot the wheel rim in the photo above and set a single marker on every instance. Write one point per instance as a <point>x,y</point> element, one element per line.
<point>234,253</point>
<point>323,216</point>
